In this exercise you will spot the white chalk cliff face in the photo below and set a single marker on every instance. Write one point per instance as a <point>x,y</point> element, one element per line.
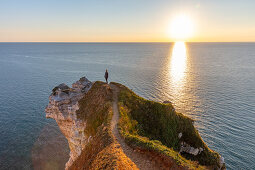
<point>63,104</point>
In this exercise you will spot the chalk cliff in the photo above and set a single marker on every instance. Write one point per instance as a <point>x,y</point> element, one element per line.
<point>83,114</point>
<point>63,104</point>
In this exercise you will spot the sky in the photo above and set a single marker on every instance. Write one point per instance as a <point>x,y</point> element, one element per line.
<point>124,20</point>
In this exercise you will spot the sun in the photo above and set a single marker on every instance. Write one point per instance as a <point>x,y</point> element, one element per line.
<point>181,28</point>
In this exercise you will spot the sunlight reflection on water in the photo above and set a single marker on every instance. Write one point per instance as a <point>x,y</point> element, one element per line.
<point>178,63</point>
<point>175,74</point>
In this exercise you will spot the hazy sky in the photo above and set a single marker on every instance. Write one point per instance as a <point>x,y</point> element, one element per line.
<point>124,20</point>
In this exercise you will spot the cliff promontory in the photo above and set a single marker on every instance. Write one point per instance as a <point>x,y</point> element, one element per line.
<point>108,126</point>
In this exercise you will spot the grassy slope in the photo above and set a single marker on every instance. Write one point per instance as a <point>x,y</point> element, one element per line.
<point>155,126</point>
<point>102,151</point>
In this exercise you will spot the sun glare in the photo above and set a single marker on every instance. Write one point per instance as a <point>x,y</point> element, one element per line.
<point>178,61</point>
<point>181,28</point>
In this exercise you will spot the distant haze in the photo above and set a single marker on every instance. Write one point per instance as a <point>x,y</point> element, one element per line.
<point>124,21</point>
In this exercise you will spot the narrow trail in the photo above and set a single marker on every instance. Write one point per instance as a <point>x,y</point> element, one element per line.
<point>141,160</point>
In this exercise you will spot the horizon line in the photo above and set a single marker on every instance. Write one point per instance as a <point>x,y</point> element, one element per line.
<point>126,41</point>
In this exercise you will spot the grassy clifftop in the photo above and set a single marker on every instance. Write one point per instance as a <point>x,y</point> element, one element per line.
<point>101,152</point>
<point>156,127</point>
<point>151,127</point>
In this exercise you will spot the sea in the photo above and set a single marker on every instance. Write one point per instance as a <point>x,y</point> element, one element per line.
<point>212,83</point>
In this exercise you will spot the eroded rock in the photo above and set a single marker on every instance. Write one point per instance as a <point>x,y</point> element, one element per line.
<point>189,149</point>
<point>63,104</point>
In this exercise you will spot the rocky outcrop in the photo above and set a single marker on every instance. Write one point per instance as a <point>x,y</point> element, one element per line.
<point>185,147</point>
<point>189,149</point>
<point>93,105</point>
<point>63,104</point>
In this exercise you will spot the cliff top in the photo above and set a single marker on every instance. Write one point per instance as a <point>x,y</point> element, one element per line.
<point>124,131</point>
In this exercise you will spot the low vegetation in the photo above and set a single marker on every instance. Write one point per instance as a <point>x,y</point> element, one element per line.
<point>155,126</point>
<point>148,126</point>
<point>101,152</point>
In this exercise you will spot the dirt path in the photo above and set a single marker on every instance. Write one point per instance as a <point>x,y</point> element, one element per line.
<point>142,161</point>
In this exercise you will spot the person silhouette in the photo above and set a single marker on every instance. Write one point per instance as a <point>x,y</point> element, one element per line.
<point>106,76</point>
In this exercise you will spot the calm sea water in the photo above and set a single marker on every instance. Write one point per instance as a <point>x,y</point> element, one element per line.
<point>213,83</point>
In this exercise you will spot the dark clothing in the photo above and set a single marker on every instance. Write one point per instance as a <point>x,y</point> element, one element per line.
<point>106,76</point>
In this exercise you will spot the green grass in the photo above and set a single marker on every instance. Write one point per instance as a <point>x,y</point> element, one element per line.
<point>96,111</point>
<point>155,126</point>
<point>101,151</point>
<point>94,107</point>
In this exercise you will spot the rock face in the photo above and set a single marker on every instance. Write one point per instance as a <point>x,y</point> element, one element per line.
<point>63,104</point>
<point>189,149</point>
<point>185,147</point>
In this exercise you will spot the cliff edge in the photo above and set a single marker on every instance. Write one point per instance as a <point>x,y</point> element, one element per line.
<point>110,127</point>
